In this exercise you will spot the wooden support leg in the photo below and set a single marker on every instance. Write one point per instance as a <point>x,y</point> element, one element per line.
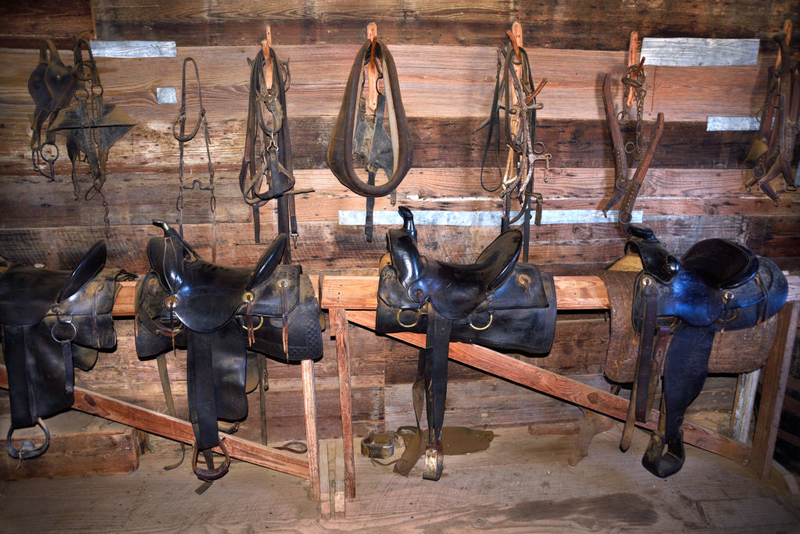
<point>310,408</point>
<point>339,331</point>
<point>776,372</point>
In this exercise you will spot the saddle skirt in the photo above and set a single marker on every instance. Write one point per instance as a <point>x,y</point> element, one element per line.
<point>53,321</point>
<point>496,302</point>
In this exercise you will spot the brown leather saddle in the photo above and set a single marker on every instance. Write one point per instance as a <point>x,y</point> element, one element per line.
<point>223,316</point>
<point>52,322</point>
<point>382,141</point>
<point>495,302</point>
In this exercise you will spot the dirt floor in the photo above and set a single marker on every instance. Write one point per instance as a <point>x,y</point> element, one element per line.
<point>522,483</point>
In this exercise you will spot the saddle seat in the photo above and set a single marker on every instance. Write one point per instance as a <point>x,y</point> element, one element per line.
<point>28,294</point>
<point>454,290</point>
<point>721,263</point>
<point>205,296</point>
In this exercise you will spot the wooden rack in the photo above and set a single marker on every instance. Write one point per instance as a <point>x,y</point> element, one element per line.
<point>353,299</point>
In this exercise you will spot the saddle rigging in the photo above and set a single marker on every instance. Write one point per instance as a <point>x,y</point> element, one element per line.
<point>514,85</point>
<point>182,137</point>
<point>90,127</point>
<point>226,318</point>
<point>355,134</point>
<point>495,302</point>
<point>53,321</point>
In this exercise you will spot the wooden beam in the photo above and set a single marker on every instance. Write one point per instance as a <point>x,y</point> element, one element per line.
<point>339,331</point>
<point>775,374</point>
<point>360,292</point>
<point>310,413</point>
<point>562,387</point>
<point>175,429</point>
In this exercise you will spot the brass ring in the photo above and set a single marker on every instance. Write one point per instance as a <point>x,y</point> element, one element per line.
<point>248,296</point>
<point>481,329</point>
<point>401,323</point>
<point>256,327</point>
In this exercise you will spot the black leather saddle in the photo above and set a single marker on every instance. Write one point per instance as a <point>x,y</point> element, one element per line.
<point>497,302</point>
<point>52,322</point>
<point>717,285</point>
<point>387,149</point>
<point>223,316</point>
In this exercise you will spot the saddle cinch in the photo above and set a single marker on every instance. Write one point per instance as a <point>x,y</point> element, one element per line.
<point>495,302</point>
<point>716,287</point>
<point>52,322</point>
<point>223,316</point>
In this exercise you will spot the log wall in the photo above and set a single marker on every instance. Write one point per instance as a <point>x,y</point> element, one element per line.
<point>446,56</point>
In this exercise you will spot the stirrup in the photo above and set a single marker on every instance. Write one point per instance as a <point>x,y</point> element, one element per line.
<point>208,475</point>
<point>27,450</point>
<point>434,461</point>
<point>664,460</point>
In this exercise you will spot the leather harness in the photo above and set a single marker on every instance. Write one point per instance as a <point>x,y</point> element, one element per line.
<point>353,134</point>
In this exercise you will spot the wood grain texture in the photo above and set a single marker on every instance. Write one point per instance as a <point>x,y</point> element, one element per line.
<point>172,428</point>
<point>563,24</point>
<point>25,22</point>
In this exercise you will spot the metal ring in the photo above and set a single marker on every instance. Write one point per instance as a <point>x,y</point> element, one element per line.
<point>481,329</point>
<point>255,327</point>
<point>401,323</point>
<point>65,340</point>
<point>248,297</point>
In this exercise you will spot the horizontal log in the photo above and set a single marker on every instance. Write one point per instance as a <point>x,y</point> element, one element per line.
<point>563,24</point>
<point>26,23</point>
<point>326,248</point>
<point>439,142</point>
<point>360,293</point>
<point>435,81</point>
<point>175,429</point>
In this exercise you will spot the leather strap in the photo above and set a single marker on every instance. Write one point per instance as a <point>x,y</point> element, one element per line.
<point>437,347</point>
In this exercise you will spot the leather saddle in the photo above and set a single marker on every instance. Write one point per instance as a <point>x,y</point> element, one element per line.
<point>52,322</point>
<point>717,285</point>
<point>496,302</point>
<point>389,150</point>
<point>223,316</point>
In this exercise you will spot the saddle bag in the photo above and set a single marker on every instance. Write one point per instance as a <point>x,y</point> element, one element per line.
<point>52,322</point>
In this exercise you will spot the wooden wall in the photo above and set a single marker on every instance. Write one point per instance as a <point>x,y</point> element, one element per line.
<point>445,54</point>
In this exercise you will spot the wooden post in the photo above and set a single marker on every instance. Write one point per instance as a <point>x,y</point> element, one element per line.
<point>776,372</point>
<point>310,409</point>
<point>339,331</point>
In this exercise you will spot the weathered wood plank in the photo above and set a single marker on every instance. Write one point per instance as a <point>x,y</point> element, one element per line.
<point>436,81</point>
<point>563,24</point>
<point>25,22</point>
<point>438,143</point>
